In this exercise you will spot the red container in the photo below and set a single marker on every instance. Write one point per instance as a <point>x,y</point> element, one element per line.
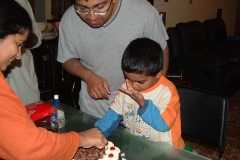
<point>38,110</point>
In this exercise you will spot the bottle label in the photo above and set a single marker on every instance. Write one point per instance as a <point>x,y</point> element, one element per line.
<point>61,119</point>
<point>54,118</point>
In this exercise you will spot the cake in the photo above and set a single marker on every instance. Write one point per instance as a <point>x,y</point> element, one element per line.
<point>110,152</point>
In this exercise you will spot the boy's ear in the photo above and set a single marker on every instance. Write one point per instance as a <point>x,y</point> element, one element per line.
<point>159,74</point>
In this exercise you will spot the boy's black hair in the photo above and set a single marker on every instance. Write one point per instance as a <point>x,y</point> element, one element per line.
<point>143,56</point>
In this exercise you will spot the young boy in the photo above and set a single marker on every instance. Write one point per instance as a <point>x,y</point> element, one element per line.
<point>148,103</point>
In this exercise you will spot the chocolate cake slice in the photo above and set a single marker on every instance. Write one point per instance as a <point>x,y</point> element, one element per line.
<point>94,153</point>
<point>89,153</point>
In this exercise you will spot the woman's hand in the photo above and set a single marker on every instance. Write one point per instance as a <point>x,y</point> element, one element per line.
<point>92,137</point>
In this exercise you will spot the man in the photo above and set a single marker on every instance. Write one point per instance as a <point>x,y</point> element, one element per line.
<point>21,74</point>
<point>97,32</point>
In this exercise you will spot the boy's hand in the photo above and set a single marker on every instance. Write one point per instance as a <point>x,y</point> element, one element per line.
<point>135,95</point>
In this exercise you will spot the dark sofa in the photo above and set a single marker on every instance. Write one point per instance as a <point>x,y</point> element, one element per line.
<point>204,53</point>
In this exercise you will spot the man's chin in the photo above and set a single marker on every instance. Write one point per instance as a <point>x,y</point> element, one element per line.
<point>95,25</point>
<point>98,24</point>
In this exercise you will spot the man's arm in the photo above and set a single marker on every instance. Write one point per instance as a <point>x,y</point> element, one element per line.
<point>97,86</point>
<point>165,60</point>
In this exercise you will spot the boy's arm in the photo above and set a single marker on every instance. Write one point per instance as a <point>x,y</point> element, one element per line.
<point>151,114</point>
<point>109,122</point>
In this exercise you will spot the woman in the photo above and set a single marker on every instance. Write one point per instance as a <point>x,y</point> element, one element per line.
<point>21,75</point>
<point>20,138</point>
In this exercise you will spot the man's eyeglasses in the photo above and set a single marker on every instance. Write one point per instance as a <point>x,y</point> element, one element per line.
<point>98,12</point>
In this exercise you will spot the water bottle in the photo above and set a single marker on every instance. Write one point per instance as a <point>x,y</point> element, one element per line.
<point>57,114</point>
<point>60,112</point>
<point>54,118</point>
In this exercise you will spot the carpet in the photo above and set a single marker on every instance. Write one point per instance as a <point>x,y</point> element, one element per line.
<point>232,148</point>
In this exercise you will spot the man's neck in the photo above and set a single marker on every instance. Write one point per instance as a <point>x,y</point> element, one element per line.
<point>115,8</point>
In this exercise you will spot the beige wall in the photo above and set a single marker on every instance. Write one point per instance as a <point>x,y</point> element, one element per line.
<point>42,10</point>
<point>182,11</point>
<point>48,9</point>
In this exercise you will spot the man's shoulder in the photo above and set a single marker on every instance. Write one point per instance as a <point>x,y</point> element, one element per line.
<point>70,11</point>
<point>140,8</point>
<point>136,4</point>
<point>70,18</point>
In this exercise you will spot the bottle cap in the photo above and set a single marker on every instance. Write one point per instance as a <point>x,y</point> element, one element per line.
<point>56,101</point>
<point>56,96</point>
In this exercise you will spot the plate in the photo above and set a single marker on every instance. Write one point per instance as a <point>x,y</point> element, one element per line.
<point>48,37</point>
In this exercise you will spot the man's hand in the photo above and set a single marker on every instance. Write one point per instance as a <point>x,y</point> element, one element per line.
<point>92,137</point>
<point>135,95</point>
<point>98,87</point>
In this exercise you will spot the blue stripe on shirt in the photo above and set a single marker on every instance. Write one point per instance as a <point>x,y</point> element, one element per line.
<point>150,114</point>
<point>109,122</point>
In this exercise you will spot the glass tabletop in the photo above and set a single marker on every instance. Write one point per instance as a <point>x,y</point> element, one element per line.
<point>133,147</point>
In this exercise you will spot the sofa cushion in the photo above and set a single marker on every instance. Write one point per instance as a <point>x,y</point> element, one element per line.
<point>218,43</point>
<point>174,43</point>
<point>216,30</point>
<point>232,78</point>
<point>193,37</point>
<point>230,52</point>
<point>202,61</point>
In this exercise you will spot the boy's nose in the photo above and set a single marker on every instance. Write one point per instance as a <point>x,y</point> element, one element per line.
<point>135,87</point>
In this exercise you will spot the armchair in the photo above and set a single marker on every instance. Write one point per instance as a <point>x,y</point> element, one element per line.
<point>211,66</point>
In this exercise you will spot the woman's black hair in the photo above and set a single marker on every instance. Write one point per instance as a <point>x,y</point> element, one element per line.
<point>143,56</point>
<point>14,19</point>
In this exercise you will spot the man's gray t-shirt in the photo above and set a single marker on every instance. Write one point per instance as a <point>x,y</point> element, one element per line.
<point>101,49</point>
